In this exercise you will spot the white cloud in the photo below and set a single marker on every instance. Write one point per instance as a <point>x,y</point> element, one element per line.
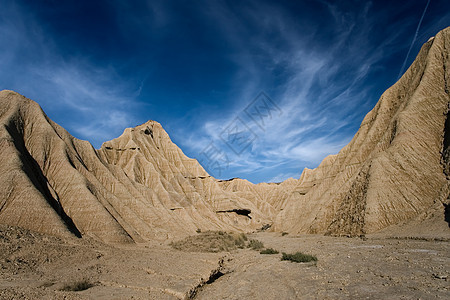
<point>315,105</point>
<point>320,89</point>
<point>101,102</point>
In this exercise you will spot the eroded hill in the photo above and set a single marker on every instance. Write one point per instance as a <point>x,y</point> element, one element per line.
<point>140,186</point>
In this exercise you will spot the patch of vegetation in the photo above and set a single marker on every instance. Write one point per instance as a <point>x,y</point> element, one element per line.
<point>269,251</point>
<point>298,257</point>
<point>239,240</point>
<point>78,286</point>
<point>255,244</point>
<point>211,241</point>
<point>284,233</point>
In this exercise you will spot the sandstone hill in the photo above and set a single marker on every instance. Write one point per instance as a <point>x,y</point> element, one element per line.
<point>137,187</point>
<point>392,170</point>
<point>140,186</point>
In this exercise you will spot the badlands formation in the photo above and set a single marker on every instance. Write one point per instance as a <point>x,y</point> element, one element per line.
<point>139,190</point>
<point>140,186</point>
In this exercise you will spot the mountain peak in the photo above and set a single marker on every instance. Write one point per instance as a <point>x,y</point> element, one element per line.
<point>140,186</point>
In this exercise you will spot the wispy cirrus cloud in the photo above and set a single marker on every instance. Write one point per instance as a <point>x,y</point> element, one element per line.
<point>104,102</point>
<point>92,101</point>
<point>97,67</point>
<point>317,104</point>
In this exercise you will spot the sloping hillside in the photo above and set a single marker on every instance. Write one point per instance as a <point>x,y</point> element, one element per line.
<point>392,170</point>
<point>140,186</point>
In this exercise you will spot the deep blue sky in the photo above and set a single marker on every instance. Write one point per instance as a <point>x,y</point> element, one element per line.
<point>97,67</point>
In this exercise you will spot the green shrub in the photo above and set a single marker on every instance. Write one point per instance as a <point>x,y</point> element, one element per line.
<point>284,233</point>
<point>255,244</point>
<point>298,257</point>
<point>269,251</point>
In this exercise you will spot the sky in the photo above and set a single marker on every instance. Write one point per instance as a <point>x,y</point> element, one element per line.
<point>252,89</point>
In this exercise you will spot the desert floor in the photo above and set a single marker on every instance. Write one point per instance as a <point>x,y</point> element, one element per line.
<point>35,266</point>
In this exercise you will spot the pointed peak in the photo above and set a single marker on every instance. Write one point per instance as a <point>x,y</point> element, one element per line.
<point>149,123</point>
<point>149,127</point>
<point>8,92</point>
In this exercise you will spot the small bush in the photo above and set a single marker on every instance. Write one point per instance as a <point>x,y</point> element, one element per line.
<point>198,230</point>
<point>239,241</point>
<point>211,241</point>
<point>78,286</point>
<point>269,251</point>
<point>298,257</point>
<point>284,233</point>
<point>255,244</point>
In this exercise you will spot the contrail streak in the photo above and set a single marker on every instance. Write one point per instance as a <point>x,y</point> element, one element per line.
<point>413,41</point>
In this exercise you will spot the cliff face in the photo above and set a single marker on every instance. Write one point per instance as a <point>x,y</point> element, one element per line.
<point>137,187</point>
<point>392,170</point>
<point>141,186</point>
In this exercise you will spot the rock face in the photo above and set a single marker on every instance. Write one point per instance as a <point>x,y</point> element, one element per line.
<point>392,170</point>
<point>137,187</point>
<point>140,186</point>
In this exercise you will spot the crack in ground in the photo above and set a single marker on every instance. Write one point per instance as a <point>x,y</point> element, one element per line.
<point>214,275</point>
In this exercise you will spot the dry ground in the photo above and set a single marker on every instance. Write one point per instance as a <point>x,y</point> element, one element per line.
<point>346,269</point>
<point>37,266</point>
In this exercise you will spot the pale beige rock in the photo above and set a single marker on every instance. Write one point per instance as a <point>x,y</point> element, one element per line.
<point>140,186</point>
<point>391,171</point>
<point>137,187</point>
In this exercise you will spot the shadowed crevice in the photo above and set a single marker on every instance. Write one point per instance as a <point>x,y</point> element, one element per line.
<point>242,212</point>
<point>215,274</point>
<point>447,213</point>
<point>40,182</point>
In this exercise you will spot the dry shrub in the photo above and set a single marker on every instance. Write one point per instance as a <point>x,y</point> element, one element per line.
<point>269,251</point>
<point>211,241</point>
<point>255,244</point>
<point>298,257</point>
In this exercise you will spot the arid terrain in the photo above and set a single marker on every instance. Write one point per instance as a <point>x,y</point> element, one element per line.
<point>36,266</point>
<point>138,219</point>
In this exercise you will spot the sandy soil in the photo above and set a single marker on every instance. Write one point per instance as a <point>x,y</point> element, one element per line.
<point>346,269</point>
<point>39,266</point>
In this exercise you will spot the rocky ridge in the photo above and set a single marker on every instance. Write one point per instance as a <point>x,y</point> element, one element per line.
<point>392,170</point>
<point>140,186</point>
